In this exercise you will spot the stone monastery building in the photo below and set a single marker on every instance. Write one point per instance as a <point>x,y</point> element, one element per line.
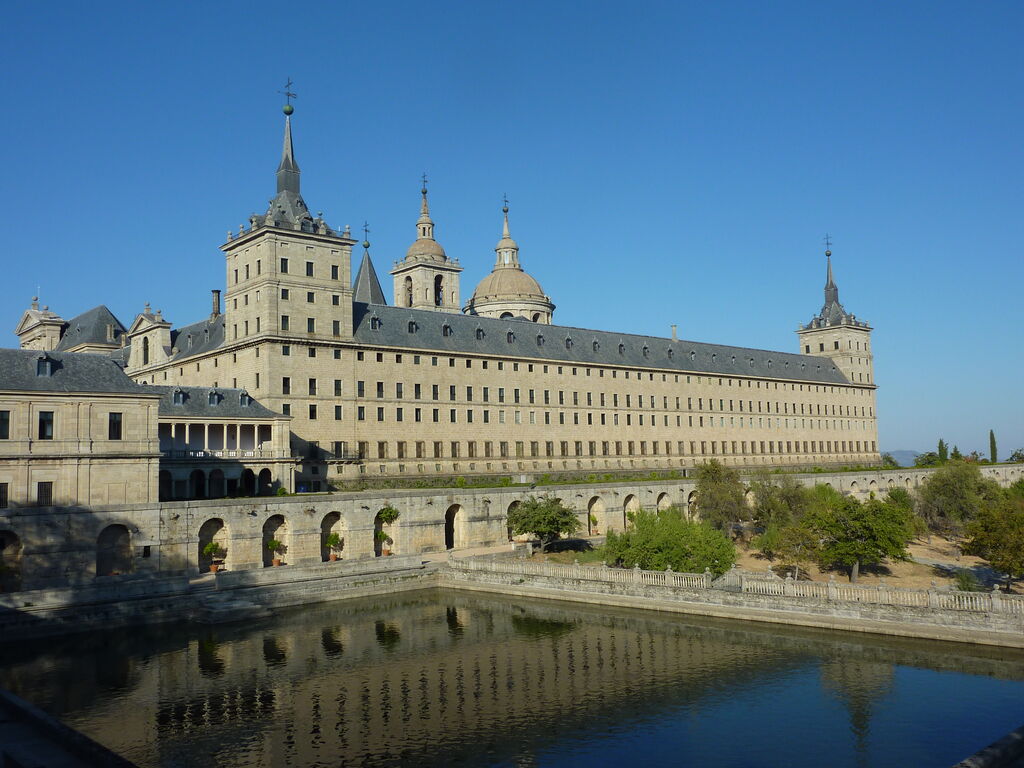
<point>349,384</point>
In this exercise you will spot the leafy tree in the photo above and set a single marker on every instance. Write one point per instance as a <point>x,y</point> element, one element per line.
<point>1017,457</point>
<point>798,546</point>
<point>952,495</point>
<point>997,535</point>
<point>721,497</point>
<point>546,518</point>
<point>956,455</point>
<point>851,533</point>
<point>658,540</point>
<point>778,499</point>
<point>889,462</point>
<point>943,451</point>
<point>930,459</point>
<point>993,453</point>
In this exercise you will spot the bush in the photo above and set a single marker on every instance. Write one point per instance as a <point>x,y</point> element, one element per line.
<point>967,582</point>
<point>659,540</point>
<point>388,515</point>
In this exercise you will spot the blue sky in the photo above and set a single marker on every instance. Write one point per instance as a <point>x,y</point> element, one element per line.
<point>665,162</point>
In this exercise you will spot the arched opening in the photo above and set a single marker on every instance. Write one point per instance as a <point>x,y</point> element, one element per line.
<point>629,506</point>
<point>536,317</point>
<point>217,490</point>
<point>145,351</point>
<point>166,484</point>
<point>873,487</point>
<point>452,525</point>
<point>265,483</point>
<point>691,505</point>
<point>197,484</point>
<point>274,530</point>
<point>331,539</point>
<point>212,532</point>
<point>508,526</point>
<point>10,561</point>
<point>596,516</point>
<point>854,489</point>
<point>910,483</point>
<point>506,316</point>
<point>248,484</point>
<point>438,291</point>
<point>664,502</point>
<point>114,551</point>
<point>407,292</point>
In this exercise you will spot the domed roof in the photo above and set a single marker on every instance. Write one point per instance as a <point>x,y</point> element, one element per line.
<point>426,248</point>
<point>508,284</point>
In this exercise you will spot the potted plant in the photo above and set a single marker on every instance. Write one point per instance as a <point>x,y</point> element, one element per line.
<point>333,543</point>
<point>385,542</point>
<point>216,553</point>
<point>594,530</point>
<point>275,548</point>
<point>387,516</point>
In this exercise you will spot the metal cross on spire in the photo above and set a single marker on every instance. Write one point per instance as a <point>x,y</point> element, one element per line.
<point>828,241</point>
<point>424,177</point>
<point>504,197</point>
<point>366,232</point>
<point>287,92</point>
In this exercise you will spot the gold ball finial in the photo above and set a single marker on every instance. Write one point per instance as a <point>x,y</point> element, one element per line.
<point>288,109</point>
<point>828,253</point>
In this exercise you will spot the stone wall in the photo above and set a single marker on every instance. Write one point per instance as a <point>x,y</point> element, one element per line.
<point>52,547</point>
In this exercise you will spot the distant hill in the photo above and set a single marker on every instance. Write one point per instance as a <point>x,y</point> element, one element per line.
<point>905,458</point>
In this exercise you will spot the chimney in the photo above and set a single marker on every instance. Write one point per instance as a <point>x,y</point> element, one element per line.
<point>675,336</point>
<point>216,304</point>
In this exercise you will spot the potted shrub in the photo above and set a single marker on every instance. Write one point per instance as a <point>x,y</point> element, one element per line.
<point>387,516</point>
<point>275,548</point>
<point>385,542</point>
<point>333,543</point>
<point>594,530</point>
<point>216,553</point>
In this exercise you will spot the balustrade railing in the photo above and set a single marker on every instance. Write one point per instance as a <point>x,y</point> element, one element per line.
<point>234,453</point>
<point>759,584</point>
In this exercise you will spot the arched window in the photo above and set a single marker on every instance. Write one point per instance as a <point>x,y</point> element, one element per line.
<point>214,398</point>
<point>438,291</point>
<point>671,352</point>
<point>408,291</point>
<point>536,317</point>
<point>693,355</point>
<point>479,334</point>
<point>189,340</point>
<point>374,323</point>
<point>646,350</point>
<point>596,345</point>
<point>568,342</point>
<point>540,339</point>
<point>622,348</point>
<point>734,359</point>
<point>446,330</point>
<point>145,351</point>
<point>714,357</point>
<point>412,326</point>
<point>510,337</point>
<point>179,397</point>
<point>244,400</point>
<point>769,363</point>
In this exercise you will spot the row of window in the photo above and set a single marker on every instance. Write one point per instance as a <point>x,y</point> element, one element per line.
<point>44,495</point>
<point>535,449</point>
<point>310,270</point>
<point>45,425</point>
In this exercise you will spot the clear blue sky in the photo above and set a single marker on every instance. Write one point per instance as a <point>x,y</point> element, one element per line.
<point>665,162</point>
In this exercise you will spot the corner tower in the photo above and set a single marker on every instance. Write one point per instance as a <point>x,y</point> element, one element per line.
<point>426,278</point>
<point>838,335</point>
<point>288,272</point>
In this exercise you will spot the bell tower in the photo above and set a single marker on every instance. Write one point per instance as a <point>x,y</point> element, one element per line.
<point>838,335</point>
<point>426,278</point>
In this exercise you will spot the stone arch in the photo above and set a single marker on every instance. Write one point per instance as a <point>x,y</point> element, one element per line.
<point>596,510</point>
<point>264,482</point>
<point>873,487</point>
<point>114,551</point>
<point>276,527</point>
<point>508,525</point>
<point>629,505</point>
<point>454,527</point>
<point>197,484</point>
<point>748,497</point>
<point>217,487</point>
<point>691,505</point>
<point>166,485</point>
<point>212,531</point>
<point>10,561</point>
<point>407,291</point>
<point>247,483</point>
<point>854,489</point>
<point>664,501</point>
<point>331,524</point>
<point>438,290</point>
<point>892,483</point>
<point>910,483</point>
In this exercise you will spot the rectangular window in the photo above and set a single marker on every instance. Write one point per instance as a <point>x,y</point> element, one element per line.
<point>337,412</point>
<point>337,387</point>
<point>286,385</point>
<point>312,412</point>
<point>336,328</point>
<point>44,494</point>
<point>114,426</point>
<point>46,425</point>
<point>361,413</point>
<point>284,265</point>
<point>5,425</point>
<point>4,499</point>
<point>334,275</point>
<point>284,322</point>
<point>309,269</point>
<point>310,325</point>
<point>312,386</point>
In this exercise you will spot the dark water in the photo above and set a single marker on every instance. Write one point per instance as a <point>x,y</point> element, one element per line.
<point>441,679</point>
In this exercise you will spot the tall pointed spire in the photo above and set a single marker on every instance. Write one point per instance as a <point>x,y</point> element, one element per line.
<point>507,248</point>
<point>366,288</point>
<point>288,170</point>
<point>424,225</point>
<point>831,289</point>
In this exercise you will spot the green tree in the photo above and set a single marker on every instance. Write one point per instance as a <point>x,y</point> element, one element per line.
<point>658,540</point>
<point>888,462</point>
<point>956,455</point>
<point>852,534</point>
<point>930,459</point>
<point>993,453</point>
<point>1017,457</point>
<point>546,518</point>
<point>943,451</point>
<point>997,535</point>
<point>952,495</point>
<point>721,497</point>
<point>778,499</point>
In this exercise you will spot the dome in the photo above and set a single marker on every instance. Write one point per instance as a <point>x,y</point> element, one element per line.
<point>426,249</point>
<point>508,283</point>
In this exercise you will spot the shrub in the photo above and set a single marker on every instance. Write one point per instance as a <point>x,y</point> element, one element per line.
<point>658,540</point>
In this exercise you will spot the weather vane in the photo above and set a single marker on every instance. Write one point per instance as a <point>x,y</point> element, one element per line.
<point>424,177</point>
<point>288,96</point>
<point>828,242</point>
<point>366,234</point>
<point>504,197</point>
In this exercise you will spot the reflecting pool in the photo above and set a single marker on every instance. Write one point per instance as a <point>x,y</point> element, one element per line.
<point>446,678</point>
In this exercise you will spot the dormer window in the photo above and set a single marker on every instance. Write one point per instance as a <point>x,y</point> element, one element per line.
<point>446,330</point>
<point>189,341</point>
<point>693,355</point>
<point>214,398</point>
<point>412,326</point>
<point>510,337</point>
<point>714,357</point>
<point>595,345</point>
<point>479,334</point>
<point>769,363</point>
<point>671,352</point>
<point>244,399</point>
<point>179,397</point>
<point>646,350</point>
<point>622,349</point>
<point>44,366</point>
<point>374,323</point>
<point>568,342</point>
<point>734,359</point>
<point>540,339</point>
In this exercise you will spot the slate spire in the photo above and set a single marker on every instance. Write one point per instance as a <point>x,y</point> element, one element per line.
<point>288,170</point>
<point>831,290</point>
<point>366,288</point>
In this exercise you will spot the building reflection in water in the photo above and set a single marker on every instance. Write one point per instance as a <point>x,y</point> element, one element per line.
<point>433,679</point>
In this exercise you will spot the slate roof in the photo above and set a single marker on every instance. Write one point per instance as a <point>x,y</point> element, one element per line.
<point>207,335</point>
<point>90,328</point>
<point>197,404</point>
<point>391,329</point>
<point>72,372</point>
<point>366,288</point>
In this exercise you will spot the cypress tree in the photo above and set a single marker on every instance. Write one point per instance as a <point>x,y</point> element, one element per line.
<point>992,452</point>
<point>943,451</point>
